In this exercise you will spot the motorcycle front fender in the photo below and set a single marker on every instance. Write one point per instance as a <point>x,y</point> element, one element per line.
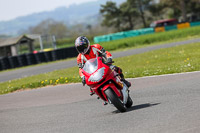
<point>113,87</point>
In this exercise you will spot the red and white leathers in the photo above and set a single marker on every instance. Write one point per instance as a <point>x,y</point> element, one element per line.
<point>93,51</point>
<point>98,50</point>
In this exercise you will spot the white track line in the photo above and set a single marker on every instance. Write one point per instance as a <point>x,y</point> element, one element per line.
<point>154,76</point>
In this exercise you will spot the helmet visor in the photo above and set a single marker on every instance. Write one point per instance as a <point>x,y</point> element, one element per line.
<point>82,49</point>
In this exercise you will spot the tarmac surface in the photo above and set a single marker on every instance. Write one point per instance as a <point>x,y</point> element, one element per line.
<point>161,104</point>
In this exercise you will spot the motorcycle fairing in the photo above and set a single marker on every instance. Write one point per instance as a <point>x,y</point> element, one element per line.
<point>108,78</point>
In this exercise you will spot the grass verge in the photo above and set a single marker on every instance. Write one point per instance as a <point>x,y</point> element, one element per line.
<point>177,59</point>
<point>185,58</point>
<point>148,39</point>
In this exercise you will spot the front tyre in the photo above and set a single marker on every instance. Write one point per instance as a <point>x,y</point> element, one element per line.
<point>129,102</point>
<point>115,100</point>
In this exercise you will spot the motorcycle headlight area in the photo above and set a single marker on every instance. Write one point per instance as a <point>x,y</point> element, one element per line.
<point>97,76</point>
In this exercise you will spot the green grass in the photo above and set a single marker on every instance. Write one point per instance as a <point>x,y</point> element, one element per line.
<point>148,39</point>
<point>69,75</point>
<point>177,59</point>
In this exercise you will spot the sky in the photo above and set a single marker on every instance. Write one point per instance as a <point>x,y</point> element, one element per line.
<point>11,9</point>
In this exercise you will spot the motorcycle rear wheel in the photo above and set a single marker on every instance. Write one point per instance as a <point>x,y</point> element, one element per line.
<point>115,100</point>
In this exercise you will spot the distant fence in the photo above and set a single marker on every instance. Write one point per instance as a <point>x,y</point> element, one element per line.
<point>31,59</point>
<point>132,33</point>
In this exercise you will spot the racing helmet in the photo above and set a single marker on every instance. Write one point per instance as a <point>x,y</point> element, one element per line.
<point>82,44</point>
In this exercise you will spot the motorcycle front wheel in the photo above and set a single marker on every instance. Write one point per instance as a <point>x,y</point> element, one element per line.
<point>115,100</point>
<point>129,102</point>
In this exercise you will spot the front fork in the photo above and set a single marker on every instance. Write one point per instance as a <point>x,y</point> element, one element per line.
<point>125,93</point>
<point>124,90</point>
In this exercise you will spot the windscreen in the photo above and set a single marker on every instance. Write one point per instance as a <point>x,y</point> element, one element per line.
<point>90,66</point>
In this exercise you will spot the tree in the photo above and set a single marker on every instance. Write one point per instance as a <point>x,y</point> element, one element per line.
<point>58,29</point>
<point>141,6</point>
<point>77,30</point>
<point>122,17</point>
<point>51,27</point>
<point>194,10</point>
<point>181,5</point>
<point>159,11</point>
<point>128,14</point>
<point>111,14</point>
<point>156,10</point>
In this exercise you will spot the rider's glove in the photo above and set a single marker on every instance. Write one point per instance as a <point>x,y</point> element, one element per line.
<point>83,80</point>
<point>80,65</point>
<point>104,55</point>
<point>109,61</point>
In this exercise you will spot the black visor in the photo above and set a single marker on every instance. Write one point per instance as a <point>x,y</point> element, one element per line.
<point>82,48</point>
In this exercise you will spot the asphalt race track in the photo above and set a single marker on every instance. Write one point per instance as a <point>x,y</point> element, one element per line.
<point>20,73</point>
<point>162,104</point>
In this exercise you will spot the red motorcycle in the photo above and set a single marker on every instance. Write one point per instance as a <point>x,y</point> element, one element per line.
<point>106,84</point>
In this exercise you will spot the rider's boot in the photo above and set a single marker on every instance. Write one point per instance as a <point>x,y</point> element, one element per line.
<point>128,84</point>
<point>119,71</point>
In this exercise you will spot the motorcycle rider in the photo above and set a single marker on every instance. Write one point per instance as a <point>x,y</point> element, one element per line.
<point>87,51</point>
